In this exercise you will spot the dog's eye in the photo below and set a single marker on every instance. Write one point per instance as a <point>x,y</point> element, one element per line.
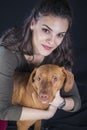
<point>55,78</point>
<point>38,78</point>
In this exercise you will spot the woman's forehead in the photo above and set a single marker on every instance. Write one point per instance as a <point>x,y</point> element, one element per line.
<point>54,22</point>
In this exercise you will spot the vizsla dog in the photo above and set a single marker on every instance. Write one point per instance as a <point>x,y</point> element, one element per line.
<point>38,89</point>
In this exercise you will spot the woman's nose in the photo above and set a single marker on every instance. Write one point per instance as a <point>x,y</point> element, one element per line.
<point>51,40</point>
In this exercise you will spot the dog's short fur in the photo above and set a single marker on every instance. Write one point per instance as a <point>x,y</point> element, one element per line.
<point>38,89</point>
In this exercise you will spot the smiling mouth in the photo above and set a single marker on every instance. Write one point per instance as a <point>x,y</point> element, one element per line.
<point>47,47</point>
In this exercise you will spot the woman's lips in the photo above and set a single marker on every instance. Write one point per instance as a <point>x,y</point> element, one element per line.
<point>47,47</point>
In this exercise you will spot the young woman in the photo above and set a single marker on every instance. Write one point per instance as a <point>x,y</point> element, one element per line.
<point>43,38</point>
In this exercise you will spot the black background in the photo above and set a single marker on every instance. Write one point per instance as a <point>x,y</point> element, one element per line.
<point>13,12</point>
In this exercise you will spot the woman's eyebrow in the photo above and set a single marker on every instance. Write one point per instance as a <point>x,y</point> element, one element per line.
<point>47,27</point>
<point>51,29</point>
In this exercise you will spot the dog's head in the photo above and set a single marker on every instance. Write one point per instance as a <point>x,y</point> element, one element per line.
<point>48,79</point>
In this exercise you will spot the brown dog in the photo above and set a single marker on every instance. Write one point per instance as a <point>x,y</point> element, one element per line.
<point>38,89</point>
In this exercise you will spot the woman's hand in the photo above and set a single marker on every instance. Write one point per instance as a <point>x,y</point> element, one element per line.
<point>69,102</point>
<point>57,100</point>
<point>54,105</point>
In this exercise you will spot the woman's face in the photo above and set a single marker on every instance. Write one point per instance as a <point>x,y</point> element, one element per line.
<point>47,34</point>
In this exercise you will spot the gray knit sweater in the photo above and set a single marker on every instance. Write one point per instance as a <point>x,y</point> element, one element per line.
<point>9,61</point>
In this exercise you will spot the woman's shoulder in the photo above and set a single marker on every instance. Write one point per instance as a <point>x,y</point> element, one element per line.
<point>7,57</point>
<point>6,52</point>
<point>11,57</point>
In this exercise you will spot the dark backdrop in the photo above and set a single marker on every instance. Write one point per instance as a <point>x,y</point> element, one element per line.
<point>13,12</point>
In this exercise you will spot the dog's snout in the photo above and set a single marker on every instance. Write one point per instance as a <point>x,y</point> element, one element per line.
<point>43,96</point>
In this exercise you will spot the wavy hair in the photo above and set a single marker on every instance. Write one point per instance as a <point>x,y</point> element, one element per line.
<point>20,38</point>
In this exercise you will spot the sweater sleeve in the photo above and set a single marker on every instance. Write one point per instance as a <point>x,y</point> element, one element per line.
<point>8,63</point>
<point>76,97</point>
<point>74,94</point>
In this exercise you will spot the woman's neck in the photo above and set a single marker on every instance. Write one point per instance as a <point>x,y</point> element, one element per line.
<point>36,59</point>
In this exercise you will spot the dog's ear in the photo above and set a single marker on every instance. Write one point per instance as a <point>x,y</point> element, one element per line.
<point>69,80</point>
<point>32,75</point>
<point>30,81</point>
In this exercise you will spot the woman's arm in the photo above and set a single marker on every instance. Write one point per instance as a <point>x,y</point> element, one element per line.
<point>37,114</point>
<point>8,63</point>
<point>69,101</point>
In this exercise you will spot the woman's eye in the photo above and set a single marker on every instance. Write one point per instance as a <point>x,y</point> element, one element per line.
<point>45,30</point>
<point>61,35</point>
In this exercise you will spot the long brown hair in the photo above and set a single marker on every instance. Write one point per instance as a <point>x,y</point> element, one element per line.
<point>20,38</point>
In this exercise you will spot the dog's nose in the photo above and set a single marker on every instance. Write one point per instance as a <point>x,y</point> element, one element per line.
<point>43,96</point>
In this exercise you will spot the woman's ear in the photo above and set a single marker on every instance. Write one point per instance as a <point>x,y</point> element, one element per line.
<point>32,23</point>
